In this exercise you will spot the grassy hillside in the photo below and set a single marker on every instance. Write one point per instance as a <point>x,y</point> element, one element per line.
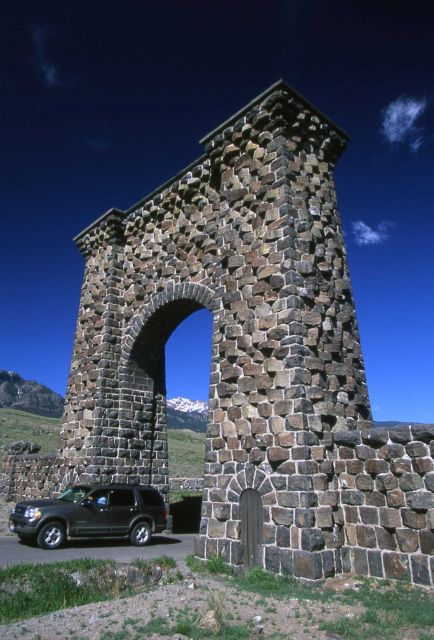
<point>186,453</point>
<point>21,425</point>
<point>186,448</point>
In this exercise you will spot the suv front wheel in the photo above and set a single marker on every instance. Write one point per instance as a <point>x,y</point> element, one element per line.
<point>140,534</point>
<point>51,536</point>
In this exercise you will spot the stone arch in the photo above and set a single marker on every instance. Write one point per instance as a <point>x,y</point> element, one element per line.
<point>254,221</point>
<point>202,295</point>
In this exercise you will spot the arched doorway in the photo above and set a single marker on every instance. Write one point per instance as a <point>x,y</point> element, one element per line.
<point>251,526</point>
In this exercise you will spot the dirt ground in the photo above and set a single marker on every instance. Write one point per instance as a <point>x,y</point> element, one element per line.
<point>124,618</point>
<point>267,617</point>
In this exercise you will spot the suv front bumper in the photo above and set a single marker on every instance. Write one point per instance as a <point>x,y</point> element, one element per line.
<point>22,526</point>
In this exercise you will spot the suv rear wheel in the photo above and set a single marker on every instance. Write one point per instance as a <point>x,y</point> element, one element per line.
<point>51,536</point>
<point>140,534</point>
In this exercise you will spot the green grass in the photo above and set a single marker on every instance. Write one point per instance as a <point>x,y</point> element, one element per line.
<point>390,607</point>
<point>187,625</point>
<point>186,453</point>
<point>21,425</point>
<point>178,495</point>
<point>28,590</point>
<point>215,565</point>
<point>186,447</point>
<point>166,562</point>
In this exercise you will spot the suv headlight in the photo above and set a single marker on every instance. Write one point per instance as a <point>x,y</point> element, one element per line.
<point>32,513</point>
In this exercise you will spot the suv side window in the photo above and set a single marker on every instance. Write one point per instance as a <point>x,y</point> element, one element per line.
<point>99,497</point>
<point>152,498</point>
<point>122,498</point>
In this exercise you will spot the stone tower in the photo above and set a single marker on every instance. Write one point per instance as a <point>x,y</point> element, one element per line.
<point>251,232</point>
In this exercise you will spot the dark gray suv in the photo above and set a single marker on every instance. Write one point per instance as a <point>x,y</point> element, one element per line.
<point>91,511</point>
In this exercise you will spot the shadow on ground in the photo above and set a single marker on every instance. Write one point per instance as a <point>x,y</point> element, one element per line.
<point>186,514</point>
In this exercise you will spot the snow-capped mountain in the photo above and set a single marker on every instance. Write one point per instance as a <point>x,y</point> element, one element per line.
<point>183,413</point>
<point>186,405</point>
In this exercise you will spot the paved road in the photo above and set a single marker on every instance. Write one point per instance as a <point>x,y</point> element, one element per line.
<point>177,546</point>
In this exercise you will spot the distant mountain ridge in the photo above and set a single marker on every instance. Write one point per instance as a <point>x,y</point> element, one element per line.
<point>183,413</point>
<point>34,397</point>
<point>29,395</point>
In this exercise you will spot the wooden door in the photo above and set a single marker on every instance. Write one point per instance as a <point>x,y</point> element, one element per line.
<point>251,526</point>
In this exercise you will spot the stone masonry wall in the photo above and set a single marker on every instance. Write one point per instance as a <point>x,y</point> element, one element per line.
<point>359,500</point>
<point>251,232</point>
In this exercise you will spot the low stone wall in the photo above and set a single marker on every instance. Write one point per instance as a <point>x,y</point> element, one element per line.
<point>331,503</point>
<point>186,484</point>
<point>27,474</point>
<point>386,483</point>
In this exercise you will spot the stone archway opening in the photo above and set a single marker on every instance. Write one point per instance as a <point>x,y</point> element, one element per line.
<point>143,387</point>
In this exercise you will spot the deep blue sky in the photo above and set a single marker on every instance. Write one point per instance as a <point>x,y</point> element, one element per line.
<point>102,101</point>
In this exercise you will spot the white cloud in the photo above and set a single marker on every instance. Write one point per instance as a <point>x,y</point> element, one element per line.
<point>364,234</point>
<point>47,69</point>
<point>399,123</point>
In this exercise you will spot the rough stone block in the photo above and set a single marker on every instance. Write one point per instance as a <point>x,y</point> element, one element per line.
<point>390,518</point>
<point>430,519</point>
<point>282,516</point>
<point>283,536</point>
<point>375,437</point>
<point>312,539</point>
<point>390,451</point>
<point>324,517</point>
<point>364,452</point>
<point>420,500</point>
<point>429,482</point>
<point>277,454</point>
<point>375,564</point>
<point>408,540</point>
<point>385,539</point>
<point>386,482</point>
<point>422,465</point>
<point>304,518</point>
<point>420,570</point>
<point>412,519</point>
<point>307,565</point>
<point>299,483</point>
<point>376,466</point>
<point>416,449</point>
<point>366,536</point>
<point>286,562</point>
<point>400,466</point>
<point>426,538</point>
<point>396,566</point>
<point>410,482</point>
<point>369,515</point>
<point>352,497</point>
<point>216,529</point>
<point>360,561</point>
<point>395,498</point>
<point>364,482</point>
<point>272,559</point>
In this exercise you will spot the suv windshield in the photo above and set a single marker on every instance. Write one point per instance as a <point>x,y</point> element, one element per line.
<point>74,494</point>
